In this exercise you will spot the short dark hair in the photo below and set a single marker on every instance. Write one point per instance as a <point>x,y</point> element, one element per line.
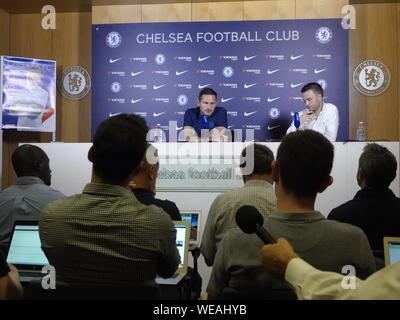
<point>379,165</point>
<point>207,91</point>
<point>119,145</point>
<point>305,159</point>
<point>26,160</point>
<point>314,86</point>
<point>263,158</point>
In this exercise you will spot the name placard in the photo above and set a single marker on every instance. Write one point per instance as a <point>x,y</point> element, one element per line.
<point>199,166</point>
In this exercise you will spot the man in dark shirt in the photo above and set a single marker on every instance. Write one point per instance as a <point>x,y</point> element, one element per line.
<point>144,184</point>
<point>375,209</point>
<point>207,122</point>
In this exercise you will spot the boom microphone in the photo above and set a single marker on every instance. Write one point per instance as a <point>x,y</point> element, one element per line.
<point>250,220</point>
<point>296,120</point>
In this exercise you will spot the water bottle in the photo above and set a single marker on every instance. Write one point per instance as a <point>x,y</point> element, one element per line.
<point>361,131</point>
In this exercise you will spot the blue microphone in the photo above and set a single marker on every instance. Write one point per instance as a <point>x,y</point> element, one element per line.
<point>296,120</point>
<point>204,121</point>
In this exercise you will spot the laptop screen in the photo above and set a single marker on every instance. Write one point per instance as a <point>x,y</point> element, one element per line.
<point>394,251</point>
<point>192,217</point>
<point>25,247</point>
<point>181,242</point>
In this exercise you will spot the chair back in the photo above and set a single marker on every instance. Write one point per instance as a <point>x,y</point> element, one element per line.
<point>379,259</point>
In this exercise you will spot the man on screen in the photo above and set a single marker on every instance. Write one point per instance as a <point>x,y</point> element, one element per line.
<point>318,115</point>
<point>207,122</point>
<point>30,102</point>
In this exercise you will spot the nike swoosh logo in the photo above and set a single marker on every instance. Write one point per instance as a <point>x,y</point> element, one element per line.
<point>272,99</point>
<point>201,86</point>
<point>246,114</point>
<point>246,86</point>
<point>158,114</point>
<point>133,74</point>
<point>292,57</point>
<point>135,101</point>
<point>114,60</point>
<point>273,71</point>
<point>200,59</point>
<point>158,87</point>
<point>114,114</point>
<point>296,85</point>
<point>274,127</point>
<point>230,127</point>
<point>248,58</point>
<point>179,128</point>
<point>225,100</point>
<point>178,73</point>
<point>316,71</point>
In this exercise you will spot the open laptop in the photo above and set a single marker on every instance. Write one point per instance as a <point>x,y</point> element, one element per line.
<point>24,251</point>
<point>193,217</point>
<point>182,243</point>
<point>391,248</point>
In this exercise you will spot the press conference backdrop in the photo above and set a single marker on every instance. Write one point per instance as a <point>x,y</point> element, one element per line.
<point>258,68</point>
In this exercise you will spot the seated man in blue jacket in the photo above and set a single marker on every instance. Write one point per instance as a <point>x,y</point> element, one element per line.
<point>207,122</point>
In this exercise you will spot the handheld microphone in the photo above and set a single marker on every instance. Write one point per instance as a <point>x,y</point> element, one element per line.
<point>296,120</point>
<point>250,220</point>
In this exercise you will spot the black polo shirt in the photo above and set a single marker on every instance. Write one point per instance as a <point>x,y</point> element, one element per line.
<point>375,211</point>
<point>147,197</point>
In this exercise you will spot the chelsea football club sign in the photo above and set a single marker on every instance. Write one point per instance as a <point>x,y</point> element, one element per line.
<point>257,69</point>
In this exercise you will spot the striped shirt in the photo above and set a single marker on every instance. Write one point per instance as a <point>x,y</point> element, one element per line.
<point>106,236</point>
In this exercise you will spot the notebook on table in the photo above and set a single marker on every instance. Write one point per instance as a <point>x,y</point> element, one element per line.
<point>25,252</point>
<point>182,243</point>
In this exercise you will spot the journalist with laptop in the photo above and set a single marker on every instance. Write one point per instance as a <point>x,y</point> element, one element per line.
<point>105,235</point>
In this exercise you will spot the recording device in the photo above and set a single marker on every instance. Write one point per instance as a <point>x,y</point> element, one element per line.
<point>250,221</point>
<point>296,120</point>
